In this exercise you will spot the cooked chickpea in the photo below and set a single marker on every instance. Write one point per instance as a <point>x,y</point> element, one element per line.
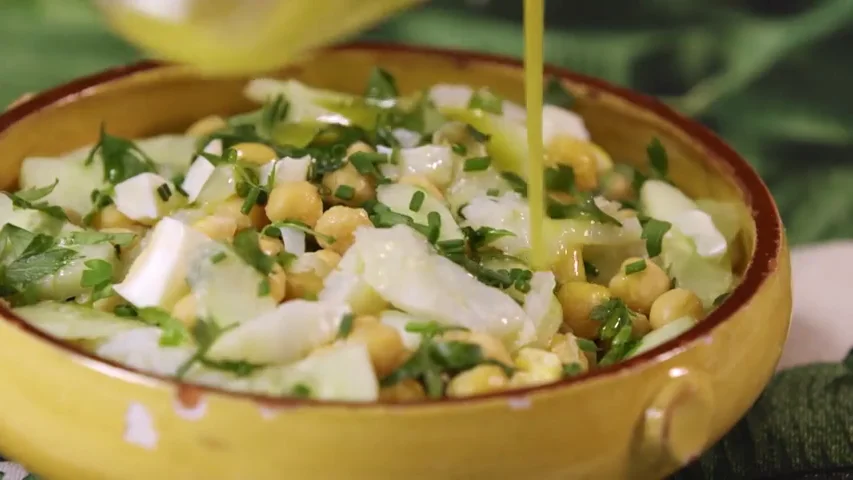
<point>107,304</point>
<point>206,126</point>
<point>640,289</point>
<point>340,222</point>
<point>270,246</point>
<point>302,285</point>
<point>565,347</point>
<point>491,347</point>
<point>640,325</point>
<point>110,217</point>
<point>295,201</point>
<point>579,155</point>
<point>578,299</point>
<point>383,344</point>
<point>422,182</point>
<point>617,186</point>
<point>406,391</point>
<point>364,320</point>
<point>217,227</point>
<point>330,258</point>
<point>73,216</point>
<point>185,310</point>
<point>278,283</point>
<point>232,209</point>
<point>479,380</point>
<point>363,188</point>
<point>569,266</point>
<point>256,153</point>
<point>626,213</point>
<point>673,305</point>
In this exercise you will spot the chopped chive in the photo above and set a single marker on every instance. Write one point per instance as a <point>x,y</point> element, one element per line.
<point>264,287</point>
<point>451,246</point>
<point>345,327</point>
<point>483,99</point>
<point>177,181</point>
<point>586,345</point>
<point>560,179</point>
<point>345,192</point>
<point>250,200</point>
<point>164,191</point>
<point>635,267</point>
<point>459,149</point>
<point>591,270</point>
<point>658,158</point>
<point>365,163</point>
<point>477,164</point>
<point>434,219</point>
<point>493,192</point>
<point>653,233</point>
<point>572,369</point>
<point>478,135</point>
<point>300,390</point>
<point>417,201</point>
<point>125,310</point>
<point>217,257</point>
<point>518,184</point>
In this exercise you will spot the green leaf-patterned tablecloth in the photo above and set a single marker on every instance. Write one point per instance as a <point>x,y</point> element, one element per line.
<point>772,77</point>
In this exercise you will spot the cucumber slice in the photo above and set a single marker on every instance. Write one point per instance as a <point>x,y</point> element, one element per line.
<point>282,335</point>
<point>33,221</point>
<point>65,283</point>
<point>343,373</point>
<point>663,335</point>
<point>398,197</point>
<point>344,285</point>
<point>70,321</point>
<point>508,143</point>
<point>435,162</point>
<point>140,349</point>
<point>227,289</point>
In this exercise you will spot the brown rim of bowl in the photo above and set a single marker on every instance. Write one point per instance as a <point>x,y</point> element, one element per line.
<point>756,195</point>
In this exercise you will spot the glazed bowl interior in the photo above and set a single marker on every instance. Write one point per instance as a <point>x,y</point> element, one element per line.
<point>148,99</point>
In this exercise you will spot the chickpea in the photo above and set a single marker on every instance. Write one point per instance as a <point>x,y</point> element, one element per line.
<point>340,222</point>
<point>640,325</point>
<point>383,344</point>
<point>569,266</point>
<point>73,216</point>
<point>491,347</point>
<point>626,213</point>
<point>422,182</point>
<point>578,154</point>
<point>617,186</point>
<point>673,305</point>
<point>295,201</point>
<point>185,309</point>
<point>270,246</point>
<point>479,380</point>
<point>110,217</point>
<point>232,209</point>
<point>364,320</point>
<point>330,258</point>
<point>302,285</point>
<point>255,153</point>
<point>640,289</point>
<point>107,304</point>
<point>408,390</point>
<point>565,347</point>
<point>217,227</point>
<point>363,188</point>
<point>578,299</point>
<point>207,125</point>
<point>278,283</point>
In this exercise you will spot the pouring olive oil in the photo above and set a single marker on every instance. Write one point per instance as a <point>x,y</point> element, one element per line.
<point>238,37</point>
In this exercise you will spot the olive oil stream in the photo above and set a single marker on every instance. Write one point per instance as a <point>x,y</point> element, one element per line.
<point>238,37</point>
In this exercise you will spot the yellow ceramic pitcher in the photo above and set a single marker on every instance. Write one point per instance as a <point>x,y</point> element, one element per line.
<point>240,36</point>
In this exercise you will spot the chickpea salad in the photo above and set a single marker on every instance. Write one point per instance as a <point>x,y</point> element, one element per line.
<point>361,248</point>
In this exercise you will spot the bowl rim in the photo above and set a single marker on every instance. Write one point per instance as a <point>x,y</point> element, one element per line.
<point>768,236</point>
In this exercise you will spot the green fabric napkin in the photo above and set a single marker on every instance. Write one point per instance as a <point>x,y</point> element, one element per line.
<point>771,77</point>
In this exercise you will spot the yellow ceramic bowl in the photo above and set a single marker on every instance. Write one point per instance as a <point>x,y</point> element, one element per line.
<point>68,415</point>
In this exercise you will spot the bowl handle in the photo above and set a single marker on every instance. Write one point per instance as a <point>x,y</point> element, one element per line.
<point>678,422</point>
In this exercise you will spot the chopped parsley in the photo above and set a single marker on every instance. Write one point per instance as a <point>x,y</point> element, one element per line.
<point>246,247</point>
<point>174,332</point>
<point>572,369</point>
<point>122,158</point>
<point>658,159</point>
<point>381,86</point>
<point>560,179</point>
<point>635,267</point>
<point>204,333</point>
<point>483,99</point>
<point>30,199</point>
<point>99,277</point>
<point>89,237</point>
<point>616,329</point>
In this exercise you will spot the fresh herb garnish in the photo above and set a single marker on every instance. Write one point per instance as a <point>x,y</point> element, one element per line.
<point>572,369</point>
<point>557,94</point>
<point>477,164</point>
<point>381,86</point>
<point>484,236</point>
<point>560,179</point>
<point>616,328</point>
<point>586,345</point>
<point>246,247</point>
<point>300,390</point>
<point>417,201</point>
<point>493,192</point>
<point>273,112</point>
<point>367,164</point>
<point>344,192</point>
<point>100,199</point>
<point>658,159</point>
<point>264,287</point>
<point>174,332</point>
<point>272,230</point>
<point>431,329</point>
<point>635,267</point>
<point>653,232</point>
<point>586,209</point>
<point>88,237</point>
<point>345,328</point>
<point>217,257</point>
<point>30,199</point>
<point>239,368</point>
<point>720,299</point>
<point>164,192</point>
<point>27,258</point>
<point>99,277</point>
<point>125,310</point>
<point>122,158</point>
<point>517,183</point>
<point>459,149</point>
<point>205,333</point>
<point>483,99</point>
